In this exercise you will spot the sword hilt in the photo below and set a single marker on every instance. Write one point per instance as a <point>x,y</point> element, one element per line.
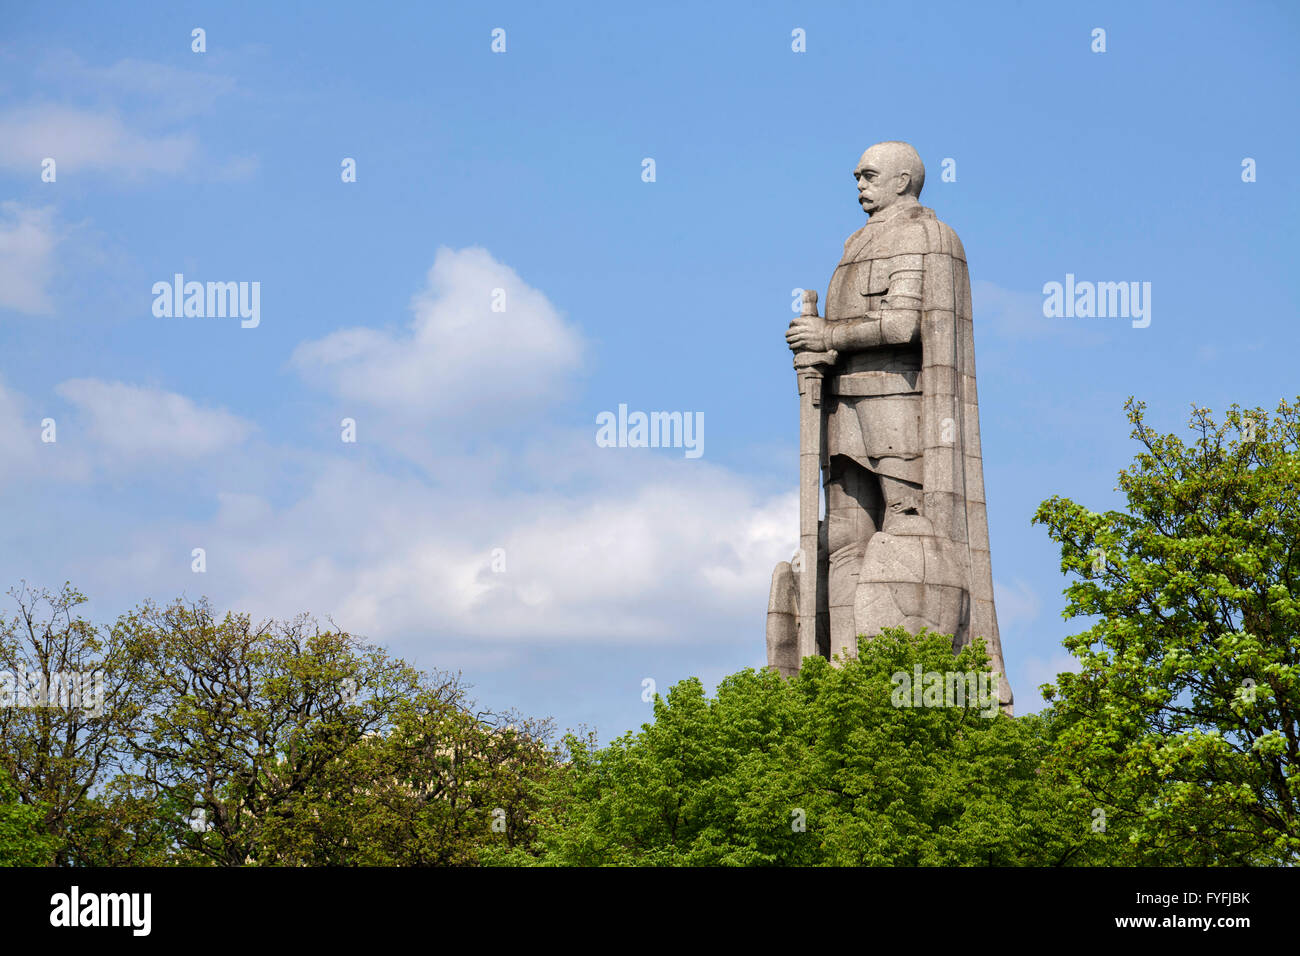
<point>808,360</point>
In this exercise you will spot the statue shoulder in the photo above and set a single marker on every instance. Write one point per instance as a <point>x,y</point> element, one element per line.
<point>904,237</point>
<point>944,240</point>
<point>854,238</point>
<point>922,233</point>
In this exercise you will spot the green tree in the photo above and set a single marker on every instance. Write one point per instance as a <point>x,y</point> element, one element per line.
<point>221,742</point>
<point>122,823</point>
<point>24,838</point>
<point>439,788</point>
<point>59,733</point>
<point>239,725</point>
<point>286,744</point>
<point>1181,725</point>
<point>832,767</point>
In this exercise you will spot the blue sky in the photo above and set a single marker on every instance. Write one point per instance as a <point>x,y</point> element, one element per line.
<point>522,171</point>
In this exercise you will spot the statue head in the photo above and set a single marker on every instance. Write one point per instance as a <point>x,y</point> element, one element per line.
<point>888,173</point>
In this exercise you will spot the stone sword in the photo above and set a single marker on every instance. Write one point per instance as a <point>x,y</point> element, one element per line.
<point>810,369</point>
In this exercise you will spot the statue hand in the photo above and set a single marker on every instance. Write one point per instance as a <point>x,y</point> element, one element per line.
<point>807,333</point>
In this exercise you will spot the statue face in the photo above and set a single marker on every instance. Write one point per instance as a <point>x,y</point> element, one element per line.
<point>879,182</point>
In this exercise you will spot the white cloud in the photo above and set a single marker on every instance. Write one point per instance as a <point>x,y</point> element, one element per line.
<point>660,560</point>
<point>79,139</point>
<point>27,241</point>
<point>610,546</point>
<point>19,439</point>
<point>672,553</point>
<point>122,119</point>
<point>159,89</point>
<point>23,454</point>
<point>132,422</point>
<point>457,354</point>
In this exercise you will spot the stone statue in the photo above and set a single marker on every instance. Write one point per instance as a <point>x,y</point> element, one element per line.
<point>889,424</point>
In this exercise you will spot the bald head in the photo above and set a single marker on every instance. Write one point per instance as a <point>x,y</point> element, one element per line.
<point>887,173</point>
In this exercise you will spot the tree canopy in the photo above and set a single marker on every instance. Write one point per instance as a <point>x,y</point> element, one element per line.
<point>1182,722</point>
<point>827,768</point>
<point>224,742</point>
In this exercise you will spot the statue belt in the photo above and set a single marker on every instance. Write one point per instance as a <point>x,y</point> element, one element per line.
<point>878,372</point>
<point>859,384</point>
